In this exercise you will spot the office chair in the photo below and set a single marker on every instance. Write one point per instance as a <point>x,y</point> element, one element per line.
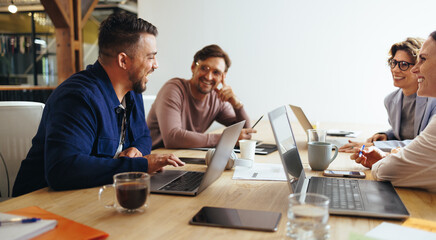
<point>19,122</point>
<point>148,101</point>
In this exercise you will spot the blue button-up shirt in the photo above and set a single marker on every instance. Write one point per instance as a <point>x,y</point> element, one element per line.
<point>79,133</point>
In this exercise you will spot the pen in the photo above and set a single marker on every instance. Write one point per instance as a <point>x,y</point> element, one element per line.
<point>18,221</point>
<point>254,125</point>
<point>360,152</point>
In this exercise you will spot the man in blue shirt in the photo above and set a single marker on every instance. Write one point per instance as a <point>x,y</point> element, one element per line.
<point>93,124</point>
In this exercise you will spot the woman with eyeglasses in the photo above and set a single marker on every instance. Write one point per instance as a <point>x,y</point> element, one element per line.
<point>408,113</point>
<point>415,164</point>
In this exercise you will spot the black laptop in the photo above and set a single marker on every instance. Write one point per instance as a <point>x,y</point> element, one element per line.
<point>347,196</point>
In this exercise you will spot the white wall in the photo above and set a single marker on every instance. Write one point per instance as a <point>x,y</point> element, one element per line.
<point>329,57</point>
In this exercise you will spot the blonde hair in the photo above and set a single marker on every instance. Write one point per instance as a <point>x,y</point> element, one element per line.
<point>410,45</point>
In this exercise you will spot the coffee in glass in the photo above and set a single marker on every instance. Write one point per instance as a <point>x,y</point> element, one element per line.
<point>132,190</point>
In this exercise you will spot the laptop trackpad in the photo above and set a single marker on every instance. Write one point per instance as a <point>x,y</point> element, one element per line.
<point>160,179</point>
<point>381,197</point>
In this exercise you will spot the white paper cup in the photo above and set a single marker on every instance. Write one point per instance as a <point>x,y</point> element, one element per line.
<point>248,149</point>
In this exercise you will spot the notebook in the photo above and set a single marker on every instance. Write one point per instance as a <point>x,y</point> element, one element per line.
<point>66,229</point>
<point>192,183</point>
<point>364,197</point>
<point>25,230</point>
<point>261,148</point>
<point>305,123</point>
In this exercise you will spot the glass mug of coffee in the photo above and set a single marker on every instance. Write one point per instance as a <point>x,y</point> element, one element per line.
<point>132,191</point>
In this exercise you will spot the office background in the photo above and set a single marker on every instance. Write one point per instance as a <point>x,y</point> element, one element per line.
<point>329,57</point>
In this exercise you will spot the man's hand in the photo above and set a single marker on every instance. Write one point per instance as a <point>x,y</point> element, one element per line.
<point>157,161</point>
<point>226,94</point>
<point>369,156</point>
<point>378,137</point>
<point>246,133</point>
<point>131,153</point>
<point>350,146</point>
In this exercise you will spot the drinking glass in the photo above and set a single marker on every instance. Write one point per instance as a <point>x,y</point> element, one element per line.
<point>130,192</point>
<point>307,216</point>
<point>316,135</point>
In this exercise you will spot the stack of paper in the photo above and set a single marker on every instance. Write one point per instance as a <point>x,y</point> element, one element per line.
<point>260,171</point>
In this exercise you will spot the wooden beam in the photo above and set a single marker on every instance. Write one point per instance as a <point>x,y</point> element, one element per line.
<point>64,54</point>
<point>87,9</point>
<point>59,13</point>
<point>77,19</point>
<point>76,45</point>
<point>68,17</point>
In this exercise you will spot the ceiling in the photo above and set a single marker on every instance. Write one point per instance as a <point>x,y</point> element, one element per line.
<point>35,5</point>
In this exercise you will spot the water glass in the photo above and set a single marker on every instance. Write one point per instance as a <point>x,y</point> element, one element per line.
<point>316,135</point>
<point>308,216</point>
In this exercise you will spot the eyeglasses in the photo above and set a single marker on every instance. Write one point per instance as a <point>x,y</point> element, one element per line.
<point>403,65</point>
<point>204,69</point>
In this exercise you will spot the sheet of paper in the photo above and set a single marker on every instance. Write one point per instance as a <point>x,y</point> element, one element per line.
<point>357,236</point>
<point>25,230</point>
<point>388,231</point>
<point>260,171</point>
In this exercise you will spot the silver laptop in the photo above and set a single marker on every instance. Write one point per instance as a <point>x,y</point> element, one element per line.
<point>347,196</point>
<point>192,183</point>
<point>305,123</point>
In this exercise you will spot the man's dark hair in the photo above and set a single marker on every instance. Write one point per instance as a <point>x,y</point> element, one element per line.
<point>212,51</point>
<point>433,35</point>
<point>120,32</point>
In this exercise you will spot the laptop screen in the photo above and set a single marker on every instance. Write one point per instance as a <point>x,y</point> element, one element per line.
<point>287,148</point>
<point>304,121</point>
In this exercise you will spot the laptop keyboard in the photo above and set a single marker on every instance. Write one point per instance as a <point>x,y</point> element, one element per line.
<point>187,182</point>
<point>343,193</point>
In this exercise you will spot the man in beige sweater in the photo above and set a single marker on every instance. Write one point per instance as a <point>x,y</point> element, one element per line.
<point>185,109</point>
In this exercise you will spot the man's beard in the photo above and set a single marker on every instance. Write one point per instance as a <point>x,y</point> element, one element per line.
<point>138,87</point>
<point>201,90</point>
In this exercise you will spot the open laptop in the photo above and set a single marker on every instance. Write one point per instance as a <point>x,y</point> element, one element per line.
<point>347,196</point>
<point>192,183</point>
<point>305,123</point>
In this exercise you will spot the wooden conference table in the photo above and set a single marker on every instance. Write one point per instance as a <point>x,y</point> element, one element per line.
<point>167,216</point>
